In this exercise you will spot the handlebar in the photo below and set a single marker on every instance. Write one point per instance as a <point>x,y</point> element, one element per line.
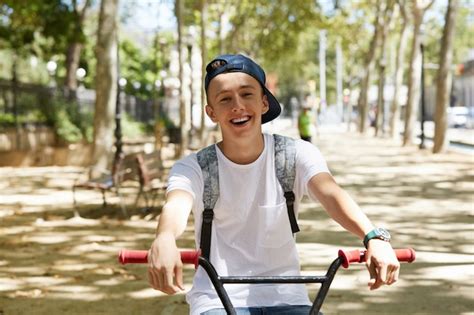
<point>345,258</point>
<point>141,257</point>
<point>358,256</point>
<point>192,256</point>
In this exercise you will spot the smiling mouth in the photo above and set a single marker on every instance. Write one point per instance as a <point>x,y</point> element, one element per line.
<point>240,121</point>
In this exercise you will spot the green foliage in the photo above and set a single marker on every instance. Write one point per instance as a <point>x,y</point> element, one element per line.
<point>18,24</point>
<point>131,128</point>
<point>7,119</point>
<point>282,35</point>
<point>463,39</point>
<point>64,128</point>
<point>166,122</point>
<point>278,24</point>
<point>42,28</point>
<point>23,21</point>
<point>69,123</point>
<point>141,67</point>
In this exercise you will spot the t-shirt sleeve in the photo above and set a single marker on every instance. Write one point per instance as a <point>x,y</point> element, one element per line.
<point>186,175</point>
<point>309,162</point>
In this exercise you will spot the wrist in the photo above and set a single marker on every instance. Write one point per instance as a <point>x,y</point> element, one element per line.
<point>165,236</point>
<point>377,233</point>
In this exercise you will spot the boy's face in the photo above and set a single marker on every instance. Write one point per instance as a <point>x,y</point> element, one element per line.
<point>236,102</point>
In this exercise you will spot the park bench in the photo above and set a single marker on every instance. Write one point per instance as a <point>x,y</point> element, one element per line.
<point>124,169</point>
<point>151,175</point>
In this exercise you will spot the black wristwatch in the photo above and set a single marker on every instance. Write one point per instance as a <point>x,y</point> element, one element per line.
<point>379,233</point>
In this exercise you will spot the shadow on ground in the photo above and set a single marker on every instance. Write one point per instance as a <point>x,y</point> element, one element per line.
<point>53,263</point>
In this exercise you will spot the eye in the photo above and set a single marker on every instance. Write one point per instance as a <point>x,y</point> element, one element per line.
<point>247,94</point>
<point>224,99</point>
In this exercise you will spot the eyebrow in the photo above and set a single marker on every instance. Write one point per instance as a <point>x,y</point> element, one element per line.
<point>243,86</point>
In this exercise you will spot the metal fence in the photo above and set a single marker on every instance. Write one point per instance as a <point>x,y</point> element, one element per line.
<point>24,107</point>
<point>25,101</point>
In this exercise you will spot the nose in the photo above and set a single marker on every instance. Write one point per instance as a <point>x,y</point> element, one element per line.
<point>237,104</point>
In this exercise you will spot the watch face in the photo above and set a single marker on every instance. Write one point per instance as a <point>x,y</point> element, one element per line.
<point>379,233</point>
<point>383,233</point>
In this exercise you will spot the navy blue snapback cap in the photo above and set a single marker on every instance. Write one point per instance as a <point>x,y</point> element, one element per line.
<point>241,63</point>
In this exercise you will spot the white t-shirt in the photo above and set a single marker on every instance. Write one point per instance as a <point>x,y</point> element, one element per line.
<point>251,232</point>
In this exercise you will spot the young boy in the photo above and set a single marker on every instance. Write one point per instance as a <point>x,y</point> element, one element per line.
<point>251,233</point>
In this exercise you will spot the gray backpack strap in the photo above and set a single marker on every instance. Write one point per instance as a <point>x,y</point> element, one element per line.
<point>285,168</point>
<point>207,159</point>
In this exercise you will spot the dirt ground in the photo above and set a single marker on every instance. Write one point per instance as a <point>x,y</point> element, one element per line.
<point>54,263</point>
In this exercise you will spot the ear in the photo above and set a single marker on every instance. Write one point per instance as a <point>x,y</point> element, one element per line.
<point>266,104</point>
<point>210,113</point>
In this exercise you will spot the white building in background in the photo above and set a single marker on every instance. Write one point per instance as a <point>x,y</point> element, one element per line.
<point>464,83</point>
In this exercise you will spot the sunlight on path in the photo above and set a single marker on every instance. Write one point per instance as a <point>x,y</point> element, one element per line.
<point>52,262</point>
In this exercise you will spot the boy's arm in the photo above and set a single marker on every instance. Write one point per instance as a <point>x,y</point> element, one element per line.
<point>164,261</point>
<point>382,263</point>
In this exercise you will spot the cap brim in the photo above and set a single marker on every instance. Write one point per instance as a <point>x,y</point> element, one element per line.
<point>274,108</point>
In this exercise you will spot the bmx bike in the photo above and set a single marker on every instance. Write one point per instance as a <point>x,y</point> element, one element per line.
<point>344,258</point>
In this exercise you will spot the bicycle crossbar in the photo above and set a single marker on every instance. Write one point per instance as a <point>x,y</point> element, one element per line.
<point>282,279</point>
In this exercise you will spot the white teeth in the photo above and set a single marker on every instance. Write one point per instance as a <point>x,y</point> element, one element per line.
<point>239,120</point>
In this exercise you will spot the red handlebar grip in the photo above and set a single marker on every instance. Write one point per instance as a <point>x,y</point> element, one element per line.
<point>141,257</point>
<point>358,256</point>
<point>191,257</point>
<point>406,254</point>
<point>133,256</point>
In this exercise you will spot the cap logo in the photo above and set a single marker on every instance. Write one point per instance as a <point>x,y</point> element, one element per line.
<point>216,64</point>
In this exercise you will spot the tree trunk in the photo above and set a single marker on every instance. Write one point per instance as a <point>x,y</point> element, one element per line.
<point>369,65</point>
<point>443,84</point>
<point>380,117</point>
<point>106,84</point>
<point>16,114</point>
<point>395,107</point>
<point>182,104</point>
<point>414,72</point>
<point>72,64</point>
<point>203,68</point>
<point>414,80</point>
<point>220,28</point>
<point>73,54</point>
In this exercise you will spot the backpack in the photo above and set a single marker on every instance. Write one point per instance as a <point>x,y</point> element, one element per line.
<point>285,155</point>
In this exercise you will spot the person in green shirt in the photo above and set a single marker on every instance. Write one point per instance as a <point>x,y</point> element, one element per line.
<point>305,122</point>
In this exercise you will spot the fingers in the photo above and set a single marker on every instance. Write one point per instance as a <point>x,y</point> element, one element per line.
<point>382,272</point>
<point>179,277</point>
<point>162,277</point>
<point>380,276</point>
<point>168,281</point>
<point>392,274</point>
<point>372,273</point>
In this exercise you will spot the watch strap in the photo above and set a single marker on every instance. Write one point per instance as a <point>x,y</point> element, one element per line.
<point>376,233</point>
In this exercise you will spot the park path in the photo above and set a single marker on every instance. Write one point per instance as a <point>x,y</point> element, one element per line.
<point>53,263</point>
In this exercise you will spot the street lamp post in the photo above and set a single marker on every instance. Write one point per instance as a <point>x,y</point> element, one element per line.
<point>51,66</point>
<point>80,75</point>
<point>159,100</point>
<point>161,104</point>
<point>118,120</point>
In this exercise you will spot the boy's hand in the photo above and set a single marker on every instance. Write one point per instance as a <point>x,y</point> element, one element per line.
<point>165,269</point>
<point>382,264</point>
